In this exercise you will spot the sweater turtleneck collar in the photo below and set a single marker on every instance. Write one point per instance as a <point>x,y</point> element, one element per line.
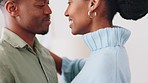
<point>106,37</point>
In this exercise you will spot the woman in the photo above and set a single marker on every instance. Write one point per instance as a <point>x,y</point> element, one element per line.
<point>108,61</point>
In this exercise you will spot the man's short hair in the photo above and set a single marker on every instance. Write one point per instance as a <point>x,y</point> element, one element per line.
<point>2,2</point>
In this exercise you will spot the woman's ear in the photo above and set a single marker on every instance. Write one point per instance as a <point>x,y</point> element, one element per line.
<point>11,8</point>
<point>93,5</point>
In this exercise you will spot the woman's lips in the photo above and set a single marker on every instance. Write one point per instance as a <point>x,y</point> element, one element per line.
<point>70,22</point>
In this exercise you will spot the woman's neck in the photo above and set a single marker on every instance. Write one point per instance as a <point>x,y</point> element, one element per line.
<point>99,24</point>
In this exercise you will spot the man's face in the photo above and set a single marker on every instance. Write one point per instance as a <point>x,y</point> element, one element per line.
<point>34,16</point>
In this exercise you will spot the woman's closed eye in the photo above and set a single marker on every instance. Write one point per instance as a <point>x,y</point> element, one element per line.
<point>69,1</point>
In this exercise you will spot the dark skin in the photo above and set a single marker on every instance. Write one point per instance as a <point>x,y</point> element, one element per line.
<point>58,62</point>
<point>27,25</point>
<point>13,13</point>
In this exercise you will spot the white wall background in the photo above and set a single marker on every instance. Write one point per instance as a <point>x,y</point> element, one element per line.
<point>62,42</point>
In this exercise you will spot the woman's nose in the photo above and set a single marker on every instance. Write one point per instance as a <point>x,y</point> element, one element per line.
<point>66,13</point>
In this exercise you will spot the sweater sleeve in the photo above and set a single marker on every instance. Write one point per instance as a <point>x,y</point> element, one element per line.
<point>109,65</point>
<point>70,68</point>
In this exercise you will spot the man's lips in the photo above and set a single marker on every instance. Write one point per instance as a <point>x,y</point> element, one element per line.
<point>47,21</point>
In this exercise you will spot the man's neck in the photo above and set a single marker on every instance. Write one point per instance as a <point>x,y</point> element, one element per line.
<point>27,37</point>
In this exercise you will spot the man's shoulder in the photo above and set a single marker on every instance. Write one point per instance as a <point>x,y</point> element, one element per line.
<point>5,49</point>
<point>3,54</point>
<point>2,46</point>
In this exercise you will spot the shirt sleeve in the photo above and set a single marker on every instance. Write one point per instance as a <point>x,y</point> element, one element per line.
<point>70,68</point>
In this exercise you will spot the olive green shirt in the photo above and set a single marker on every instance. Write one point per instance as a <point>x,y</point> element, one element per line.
<point>19,63</point>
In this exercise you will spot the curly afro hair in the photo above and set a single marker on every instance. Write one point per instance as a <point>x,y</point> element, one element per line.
<point>132,9</point>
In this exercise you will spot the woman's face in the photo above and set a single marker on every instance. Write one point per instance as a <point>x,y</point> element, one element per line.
<point>77,12</point>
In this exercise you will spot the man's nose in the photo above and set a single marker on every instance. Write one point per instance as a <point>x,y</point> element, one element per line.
<point>47,10</point>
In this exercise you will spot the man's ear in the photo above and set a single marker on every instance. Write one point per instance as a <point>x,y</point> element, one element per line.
<point>11,8</point>
<point>93,5</point>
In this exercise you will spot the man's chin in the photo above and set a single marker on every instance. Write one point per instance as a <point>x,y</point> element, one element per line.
<point>43,32</point>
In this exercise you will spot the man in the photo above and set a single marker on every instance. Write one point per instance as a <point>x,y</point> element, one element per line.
<point>22,58</point>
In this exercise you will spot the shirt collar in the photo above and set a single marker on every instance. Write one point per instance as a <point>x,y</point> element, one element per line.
<point>14,40</point>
